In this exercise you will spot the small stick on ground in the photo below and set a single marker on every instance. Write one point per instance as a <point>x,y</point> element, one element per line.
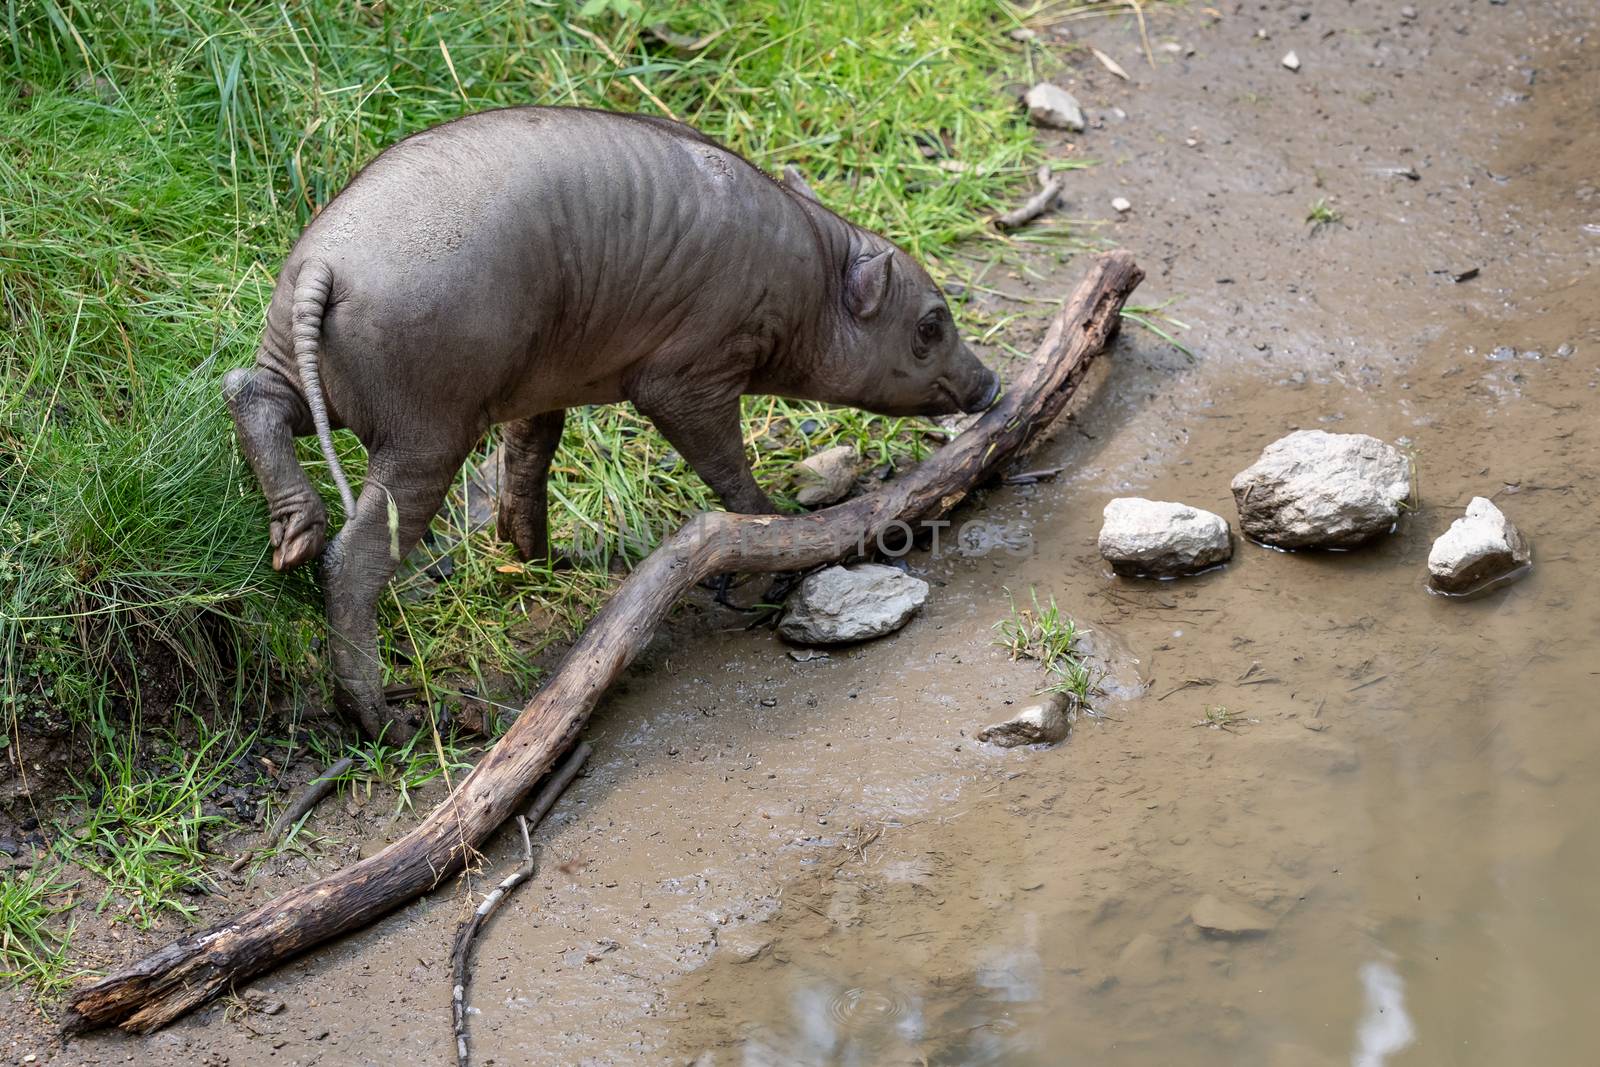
<point>554,786</point>
<point>1050,186</point>
<point>309,797</point>
<point>1030,477</point>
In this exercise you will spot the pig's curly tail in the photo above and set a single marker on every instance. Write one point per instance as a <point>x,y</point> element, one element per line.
<point>311,291</point>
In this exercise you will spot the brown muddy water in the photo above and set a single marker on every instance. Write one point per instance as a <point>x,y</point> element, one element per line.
<point>784,862</point>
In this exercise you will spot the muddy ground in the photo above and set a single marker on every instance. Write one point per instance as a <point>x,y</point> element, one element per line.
<point>777,862</point>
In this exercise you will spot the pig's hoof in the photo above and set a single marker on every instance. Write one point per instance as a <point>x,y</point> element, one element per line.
<point>299,536</point>
<point>396,728</point>
<point>377,721</point>
<point>527,533</point>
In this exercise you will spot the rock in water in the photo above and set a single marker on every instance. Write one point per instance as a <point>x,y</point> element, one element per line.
<point>1054,107</point>
<point>1479,547</point>
<point>1221,919</point>
<point>1158,538</point>
<point>842,604</point>
<point>1143,961</point>
<point>827,477</point>
<point>1036,724</point>
<point>1314,489</point>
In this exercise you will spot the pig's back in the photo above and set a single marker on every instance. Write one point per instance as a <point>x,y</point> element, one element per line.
<point>555,203</point>
<point>572,240</point>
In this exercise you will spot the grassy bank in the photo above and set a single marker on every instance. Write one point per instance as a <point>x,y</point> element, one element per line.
<point>156,162</point>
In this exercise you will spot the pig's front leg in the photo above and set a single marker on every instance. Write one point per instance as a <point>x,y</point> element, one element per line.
<point>701,420</point>
<point>524,511</point>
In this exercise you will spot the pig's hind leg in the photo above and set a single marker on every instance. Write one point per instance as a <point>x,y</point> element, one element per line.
<point>524,510</point>
<point>403,489</point>
<point>268,414</point>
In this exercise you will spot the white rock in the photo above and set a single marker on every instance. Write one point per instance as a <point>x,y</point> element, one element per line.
<point>1479,547</point>
<point>1159,538</point>
<point>1223,919</point>
<point>1036,724</point>
<point>843,604</point>
<point>1314,489</point>
<point>827,477</point>
<point>1121,205</point>
<point>1291,61</point>
<point>1054,107</point>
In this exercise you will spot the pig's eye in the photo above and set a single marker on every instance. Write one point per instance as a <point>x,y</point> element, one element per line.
<point>930,331</point>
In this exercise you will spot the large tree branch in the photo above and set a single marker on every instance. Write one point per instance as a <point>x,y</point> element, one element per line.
<point>157,989</point>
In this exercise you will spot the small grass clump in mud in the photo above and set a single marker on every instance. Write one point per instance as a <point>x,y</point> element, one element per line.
<point>1322,214</point>
<point>1043,633</point>
<point>402,768</point>
<point>1222,717</point>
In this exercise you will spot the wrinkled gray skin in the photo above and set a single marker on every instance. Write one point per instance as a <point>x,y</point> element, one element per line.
<point>509,265</point>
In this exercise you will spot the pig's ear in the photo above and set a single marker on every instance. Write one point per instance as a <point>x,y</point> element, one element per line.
<point>867,284</point>
<point>792,178</point>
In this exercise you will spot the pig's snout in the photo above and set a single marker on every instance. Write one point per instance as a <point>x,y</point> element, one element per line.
<point>984,390</point>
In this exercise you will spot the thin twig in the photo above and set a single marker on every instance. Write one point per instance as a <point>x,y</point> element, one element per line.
<point>1029,477</point>
<point>309,797</point>
<point>554,786</point>
<point>1050,186</point>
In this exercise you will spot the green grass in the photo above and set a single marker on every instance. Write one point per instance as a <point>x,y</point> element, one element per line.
<point>33,945</point>
<point>400,768</point>
<point>146,827</point>
<point>1044,634</point>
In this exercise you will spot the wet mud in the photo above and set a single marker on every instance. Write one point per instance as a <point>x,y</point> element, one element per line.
<point>1385,795</point>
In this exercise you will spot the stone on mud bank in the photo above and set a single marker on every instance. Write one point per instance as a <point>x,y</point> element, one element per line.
<point>1314,489</point>
<point>1218,918</point>
<point>743,944</point>
<point>1044,723</point>
<point>1159,538</point>
<point>1479,547</point>
<point>827,477</point>
<point>1053,107</point>
<point>843,604</point>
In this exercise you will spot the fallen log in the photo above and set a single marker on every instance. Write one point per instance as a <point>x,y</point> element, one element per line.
<point>153,991</point>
